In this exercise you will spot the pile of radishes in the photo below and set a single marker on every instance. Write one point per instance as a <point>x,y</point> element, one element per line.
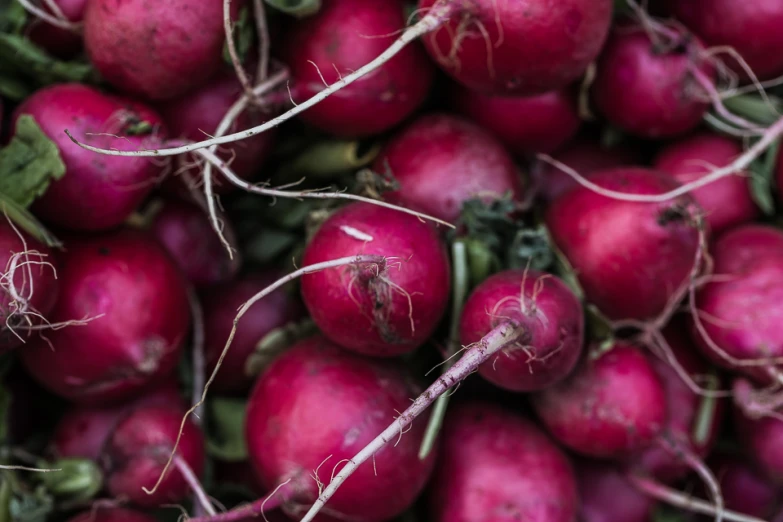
<point>252,254</point>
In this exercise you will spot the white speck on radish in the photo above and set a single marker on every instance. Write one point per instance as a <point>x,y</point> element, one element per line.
<point>356,234</point>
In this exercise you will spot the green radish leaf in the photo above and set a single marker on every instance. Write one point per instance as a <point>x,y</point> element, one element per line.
<point>244,36</point>
<point>13,17</point>
<point>226,429</point>
<point>35,506</point>
<point>762,178</point>
<point>297,8</point>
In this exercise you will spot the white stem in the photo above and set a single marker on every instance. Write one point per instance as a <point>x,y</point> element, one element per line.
<point>195,485</point>
<point>61,22</point>
<point>262,31</point>
<point>199,362</point>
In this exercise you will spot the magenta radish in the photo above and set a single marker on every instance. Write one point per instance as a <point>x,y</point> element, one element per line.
<point>186,233</point>
<point>135,305</point>
<point>342,401</point>
<point>519,48</point>
<point>630,257</point>
<point>111,514</point>
<point>220,305</point>
<point>739,310</point>
<point>745,489</point>
<point>441,161</point>
<point>97,192</point>
<point>496,465</point>
<point>137,450</point>
<point>553,321</point>
<point>607,496</point>
<point>63,40</point>
<point>726,202</point>
<point>155,50</point>
<point>197,114</point>
<point>380,312</point>
<point>612,406</point>
<point>342,37</point>
<point>727,23</point>
<point>762,439</point>
<point>82,430</point>
<point>647,87</point>
<point>526,125</point>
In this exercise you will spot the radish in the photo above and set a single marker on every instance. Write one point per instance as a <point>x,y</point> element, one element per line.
<point>82,430</point>
<point>737,325</point>
<point>646,87</point>
<point>630,257</point>
<point>496,465</point>
<point>198,113</point>
<point>526,125</point>
<point>61,39</point>
<point>744,488</point>
<point>342,400</point>
<point>608,496</point>
<point>111,514</point>
<point>135,453</point>
<point>441,161</point>
<point>220,306</point>
<point>381,313</point>
<point>727,23</point>
<point>342,37</point>
<point>726,202</point>
<point>185,232</point>
<point>155,50</point>
<point>522,48</point>
<point>135,305</point>
<point>612,406</point>
<point>96,192</point>
<point>553,318</point>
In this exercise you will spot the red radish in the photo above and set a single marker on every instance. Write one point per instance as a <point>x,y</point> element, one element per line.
<point>97,192</point>
<point>630,257</point>
<point>726,202</point>
<point>526,125</point>
<point>186,233</point>
<point>612,406</point>
<point>521,48</point>
<point>136,452</point>
<point>646,87</point>
<point>220,305</point>
<point>111,514</point>
<point>551,315</point>
<point>744,488</point>
<point>197,114</point>
<point>342,401</point>
<point>82,431</point>
<point>585,156</point>
<point>384,312</point>
<point>763,440</point>
<point>28,288</point>
<point>59,41</point>
<point>498,466</point>
<point>740,310</point>
<point>607,496</point>
<point>136,303</point>
<point>440,161</point>
<point>729,22</point>
<point>157,50</point>
<point>342,37</point>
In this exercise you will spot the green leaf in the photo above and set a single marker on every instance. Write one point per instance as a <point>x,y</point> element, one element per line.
<point>5,499</point>
<point>27,222</point>
<point>298,8</point>
<point>29,163</point>
<point>226,433</point>
<point>13,17</point>
<point>31,507</point>
<point>761,179</point>
<point>531,247</point>
<point>79,479</point>
<point>244,35</point>
<point>755,108</point>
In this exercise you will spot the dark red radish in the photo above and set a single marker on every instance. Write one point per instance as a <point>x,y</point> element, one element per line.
<point>740,309</point>
<point>586,156</point>
<point>607,496</point>
<point>197,114</point>
<point>762,439</point>
<point>341,38</point>
<point>612,406</point>
<point>630,257</point>
<point>526,125</point>
<point>521,48</point>
<point>28,287</point>
<point>646,87</point>
<point>341,402</point>
<point>440,161</point>
<point>136,452</point>
<point>551,316</point>
<point>379,311</point>
<point>220,306</point>
<point>728,23</point>
<point>56,40</point>
<point>135,302</point>
<point>82,430</point>
<point>97,192</point>
<point>497,466</point>
<point>727,202</point>
<point>155,50</point>
<point>745,489</point>
<point>111,514</point>
<point>186,233</point>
